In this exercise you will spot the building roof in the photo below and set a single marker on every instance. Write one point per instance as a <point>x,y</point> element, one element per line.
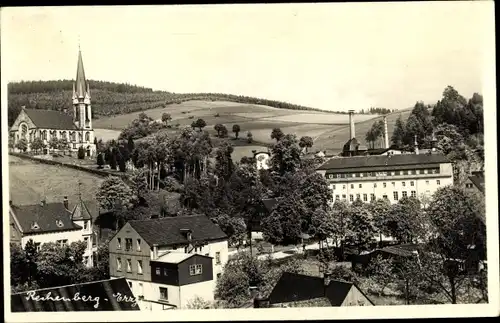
<point>104,289</point>
<point>478,180</point>
<point>293,287</point>
<point>167,231</point>
<point>50,119</point>
<point>50,217</point>
<point>382,161</point>
<point>81,82</point>
<point>82,212</point>
<point>174,257</point>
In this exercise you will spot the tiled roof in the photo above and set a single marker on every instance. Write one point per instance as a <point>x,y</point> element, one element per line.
<point>167,231</point>
<point>478,181</point>
<point>382,161</point>
<point>293,287</point>
<point>82,212</point>
<point>105,290</point>
<point>50,119</point>
<point>81,82</point>
<point>174,257</point>
<point>46,216</point>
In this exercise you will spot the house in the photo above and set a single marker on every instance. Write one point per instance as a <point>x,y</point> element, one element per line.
<point>262,159</point>
<point>75,128</point>
<point>475,182</point>
<point>391,177</point>
<point>168,261</point>
<point>297,290</point>
<point>104,295</point>
<point>394,252</point>
<point>53,222</point>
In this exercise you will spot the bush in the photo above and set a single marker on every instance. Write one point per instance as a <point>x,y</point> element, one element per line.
<point>217,115</point>
<point>191,117</point>
<point>81,153</point>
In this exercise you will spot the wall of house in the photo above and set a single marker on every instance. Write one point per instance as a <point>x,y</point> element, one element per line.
<point>71,236</point>
<point>87,233</point>
<point>356,298</point>
<point>185,277</point>
<point>117,253</point>
<point>169,273</point>
<point>15,234</point>
<point>205,290</point>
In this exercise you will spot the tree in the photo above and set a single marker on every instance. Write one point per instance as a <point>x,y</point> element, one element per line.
<point>200,123</point>
<point>114,193</point>
<point>285,155</point>
<point>63,145</point>
<point>380,209</point>
<point>218,127</point>
<point>130,144</point>
<point>37,145</point>
<point>236,130</point>
<point>224,165</point>
<point>234,228</point>
<point>382,271</point>
<point>375,132</point>
<point>100,161</point>
<point>399,133</point>
<point>165,118</point>
<point>121,163</point>
<point>233,286</point>
<point>198,303</point>
<point>306,142</point>
<point>316,195</point>
<point>81,153</point>
<point>95,141</point>
<point>22,145</point>
<point>284,225</point>
<point>223,132</point>
<point>277,134</point>
<point>360,228</point>
<point>53,143</point>
<point>322,224</point>
<point>249,137</point>
<point>405,220</point>
<point>102,260</point>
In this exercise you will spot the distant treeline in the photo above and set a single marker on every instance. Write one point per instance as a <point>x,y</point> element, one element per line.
<point>377,111</point>
<point>115,98</point>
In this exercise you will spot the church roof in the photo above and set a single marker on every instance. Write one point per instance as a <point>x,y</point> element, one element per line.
<point>81,212</point>
<point>81,82</point>
<point>50,119</point>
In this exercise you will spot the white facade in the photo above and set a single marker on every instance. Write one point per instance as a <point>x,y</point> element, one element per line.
<point>262,160</point>
<point>391,186</point>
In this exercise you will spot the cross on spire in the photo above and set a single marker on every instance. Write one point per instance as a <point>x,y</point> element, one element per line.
<point>78,42</point>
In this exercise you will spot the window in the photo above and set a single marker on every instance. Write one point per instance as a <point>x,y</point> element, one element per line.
<point>395,194</point>
<point>372,197</point>
<point>163,293</point>
<point>206,254</point>
<point>413,194</point>
<point>138,244</point>
<point>384,184</point>
<point>375,185</point>
<point>426,182</point>
<point>393,184</point>
<point>343,187</point>
<point>435,170</point>
<point>385,197</point>
<point>468,185</point>
<point>85,225</point>
<point>129,265</point>
<point>87,136</point>
<point>86,240</point>
<point>417,171</point>
<point>403,183</point>
<point>426,171</point>
<point>158,271</point>
<point>352,185</point>
<point>62,243</point>
<point>217,258</point>
<point>351,198</point>
<point>38,246</point>
<point>358,197</point>
<point>405,172</point>
<point>365,197</point>
<point>165,272</point>
<point>118,243</point>
<point>218,275</point>
<point>195,269</point>
<point>86,260</point>
<point>59,223</point>
<point>141,289</point>
<point>393,173</point>
<point>438,182</point>
<point>128,244</point>
<point>139,267</point>
<point>405,194</point>
<point>337,197</point>
<point>410,172</point>
<point>412,183</point>
<point>360,185</point>
<point>118,264</point>
<point>344,196</point>
<point>333,187</point>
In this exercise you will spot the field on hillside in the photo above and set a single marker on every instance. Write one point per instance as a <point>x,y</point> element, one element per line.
<point>335,139</point>
<point>30,181</point>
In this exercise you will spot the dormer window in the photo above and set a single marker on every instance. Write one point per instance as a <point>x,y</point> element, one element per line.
<point>59,223</point>
<point>187,233</point>
<point>35,226</point>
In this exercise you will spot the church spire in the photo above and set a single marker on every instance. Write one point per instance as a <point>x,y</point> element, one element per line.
<point>81,82</point>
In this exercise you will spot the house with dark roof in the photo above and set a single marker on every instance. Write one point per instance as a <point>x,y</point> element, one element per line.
<point>169,261</point>
<point>475,182</point>
<point>391,177</point>
<point>103,295</point>
<point>53,222</point>
<point>297,290</point>
<point>72,128</point>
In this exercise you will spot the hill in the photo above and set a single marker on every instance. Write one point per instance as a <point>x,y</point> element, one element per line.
<point>110,98</point>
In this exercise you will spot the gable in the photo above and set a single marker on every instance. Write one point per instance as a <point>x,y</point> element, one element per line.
<point>50,217</point>
<point>22,117</point>
<point>355,297</point>
<point>127,231</point>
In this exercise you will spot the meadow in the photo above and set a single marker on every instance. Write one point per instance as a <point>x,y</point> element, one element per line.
<point>29,182</point>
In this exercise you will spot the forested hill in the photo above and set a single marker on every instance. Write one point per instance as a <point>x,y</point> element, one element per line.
<point>114,98</point>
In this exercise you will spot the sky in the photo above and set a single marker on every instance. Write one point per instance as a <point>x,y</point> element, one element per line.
<point>337,56</point>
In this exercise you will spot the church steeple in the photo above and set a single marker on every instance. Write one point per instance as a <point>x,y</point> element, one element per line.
<point>81,83</point>
<point>82,111</point>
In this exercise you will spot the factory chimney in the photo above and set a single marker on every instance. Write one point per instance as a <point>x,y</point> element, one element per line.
<point>386,134</point>
<point>351,123</point>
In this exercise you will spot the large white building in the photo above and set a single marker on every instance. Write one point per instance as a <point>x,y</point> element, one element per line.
<point>53,222</point>
<point>389,176</point>
<point>168,262</point>
<point>75,127</point>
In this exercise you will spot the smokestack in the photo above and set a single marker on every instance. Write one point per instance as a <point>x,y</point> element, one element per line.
<point>351,123</point>
<point>416,145</point>
<point>386,134</point>
<point>65,202</point>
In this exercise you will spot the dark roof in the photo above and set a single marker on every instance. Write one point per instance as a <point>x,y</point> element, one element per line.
<point>104,289</point>
<point>269,204</point>
<point>478,181</point>
<point>293,287</point>
<point>81,211</point>
<point>81,82</point>
<point>45,216</point>
<point>167,231</point>
<point>398,251</point>
<point>50,119</point>
<point>382,161</point>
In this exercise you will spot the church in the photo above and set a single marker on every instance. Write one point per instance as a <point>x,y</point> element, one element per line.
<point>75,127</point>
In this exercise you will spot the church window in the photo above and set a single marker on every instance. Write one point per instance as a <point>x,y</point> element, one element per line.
<point>24,131</point>
<point>87,136</point>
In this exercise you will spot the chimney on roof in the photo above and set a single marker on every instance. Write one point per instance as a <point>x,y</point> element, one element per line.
<point>416,145</point>
<point>155,251</point>
<point>65,202</point>
<point>351,123</point>
<point>386,134</point>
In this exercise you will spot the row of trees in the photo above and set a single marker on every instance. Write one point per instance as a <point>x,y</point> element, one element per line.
<point>67,85</point>
<point>373,110</point>
<point>54,265</point>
